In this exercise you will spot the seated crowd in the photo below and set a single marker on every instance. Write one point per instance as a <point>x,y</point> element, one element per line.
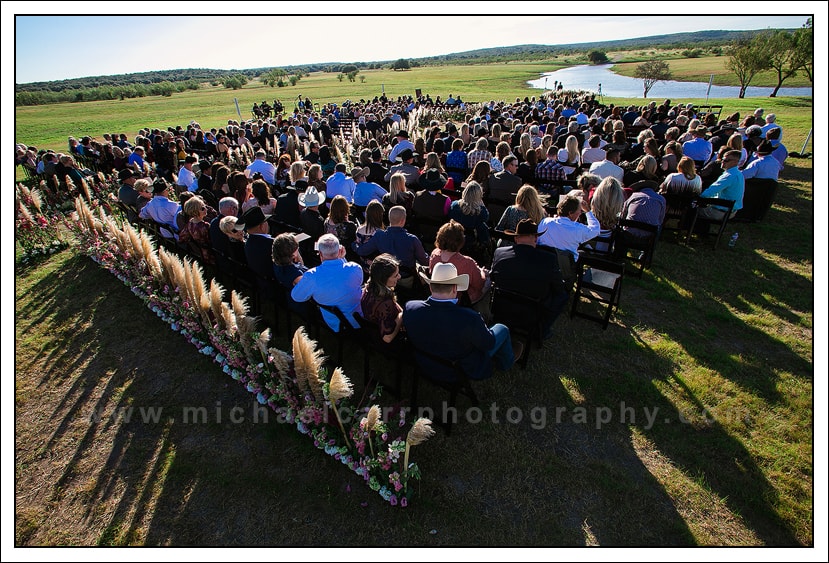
<point>404,236</point>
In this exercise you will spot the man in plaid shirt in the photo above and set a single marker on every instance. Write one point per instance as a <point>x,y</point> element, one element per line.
<point>481,152</point>
<point>549,171</point>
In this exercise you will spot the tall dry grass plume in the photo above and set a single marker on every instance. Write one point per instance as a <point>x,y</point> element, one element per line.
<point>84,187</point>
<point>262,343</point>
<point>216,294</point>
<point>245,328</point>
<point>229,320</point>
<point>239,303</point>
<point>370,423</point>
<point>339,388</point>
<point>308,361</point>
<point>281,360</point>
<point>150,256</point>
<point>420,432</point>
<point>37,200</point>
<point>24,212</point>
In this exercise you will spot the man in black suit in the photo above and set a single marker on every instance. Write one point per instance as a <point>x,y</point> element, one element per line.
<point>440,326</point>
<point>504,185</point>
<point>525,269</point>
<point>259,246</point>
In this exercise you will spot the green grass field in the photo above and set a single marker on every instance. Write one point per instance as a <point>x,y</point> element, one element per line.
<point>712,352</point>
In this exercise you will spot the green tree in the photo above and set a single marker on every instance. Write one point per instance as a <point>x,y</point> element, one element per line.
<point>746,59</point>
<point>362,78</point>
<point>340,77</point>
<point>352,76</point>
<point>401,64</point>
<point>804,43</point>
<point>348,68</point>
<point>597,57</point>
<point>651,72</point>
<point>784,56</point>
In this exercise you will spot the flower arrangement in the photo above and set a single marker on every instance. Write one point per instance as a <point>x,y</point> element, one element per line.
<point>38,229</point>
<point>295,386</point>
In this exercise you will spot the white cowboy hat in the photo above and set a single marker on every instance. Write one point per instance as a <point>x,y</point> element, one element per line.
<point>447,274</point>
<point>311,197</point>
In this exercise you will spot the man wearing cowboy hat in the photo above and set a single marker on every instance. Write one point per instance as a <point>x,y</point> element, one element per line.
<point>365,192</point>
<point>764,164</point>
<point>258,247</point>
<point>312,223</point>
<point>161,210</point>
<point>430,207</point>
<point>406,167</point>
<point>440,326</point>
<point>403,143</point>
<point>527,270</point>
<point>699,148</point>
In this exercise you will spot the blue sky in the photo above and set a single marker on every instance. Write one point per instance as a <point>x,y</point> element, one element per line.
<point>49,47</point>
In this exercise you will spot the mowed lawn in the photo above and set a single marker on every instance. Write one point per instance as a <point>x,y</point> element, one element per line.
<point>688,422</point>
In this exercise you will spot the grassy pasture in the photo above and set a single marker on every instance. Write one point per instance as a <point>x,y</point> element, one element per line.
<point>718,344</point>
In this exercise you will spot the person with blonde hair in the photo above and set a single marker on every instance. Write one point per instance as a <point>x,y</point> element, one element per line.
<point>735,143</point>
<point>606,204</point>
<point>398,195</point>
<point>684,181</point>
<point>197,230</point>
<point>569,157</point>
<point>473,215</point>
<point>528,205</point>
<point>645,170</point>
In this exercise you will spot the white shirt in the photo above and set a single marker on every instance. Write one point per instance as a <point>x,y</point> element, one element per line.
<point>605,169</point>
<point>264,167</point>
<point>187,178</point>
<point>564,234</point>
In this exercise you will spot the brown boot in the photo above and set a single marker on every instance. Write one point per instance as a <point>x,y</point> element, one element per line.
<point>517,349</point>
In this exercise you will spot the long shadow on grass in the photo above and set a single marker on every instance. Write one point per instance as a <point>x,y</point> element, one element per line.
<point>704,452</point>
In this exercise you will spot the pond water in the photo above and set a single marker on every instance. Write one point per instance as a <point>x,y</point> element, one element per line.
<point>589,77</point>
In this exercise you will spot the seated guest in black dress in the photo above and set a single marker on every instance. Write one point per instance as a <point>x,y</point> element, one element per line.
<point>379,303</point>
<point>288,267</point>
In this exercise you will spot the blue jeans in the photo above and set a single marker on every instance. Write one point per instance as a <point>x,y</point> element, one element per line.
<point>501,351</point>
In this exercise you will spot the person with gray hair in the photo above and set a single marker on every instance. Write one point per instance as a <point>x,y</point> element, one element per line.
<point>228,207</point>
<point>334,282</point>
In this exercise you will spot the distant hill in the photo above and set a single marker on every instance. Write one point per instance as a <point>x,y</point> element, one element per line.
<point>494,54</point>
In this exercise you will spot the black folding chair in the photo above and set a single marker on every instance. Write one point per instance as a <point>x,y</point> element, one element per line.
<point>599,280</point>
<point>701,225</point>
<point>460,385</point>
<point>636,242</point>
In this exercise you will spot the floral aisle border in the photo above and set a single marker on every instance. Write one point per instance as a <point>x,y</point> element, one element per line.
<point>295,386</point>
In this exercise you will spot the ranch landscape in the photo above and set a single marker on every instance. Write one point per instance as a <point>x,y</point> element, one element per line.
<point>688,422</point>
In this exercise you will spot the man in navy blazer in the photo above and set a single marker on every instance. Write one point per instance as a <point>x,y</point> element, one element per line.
<point>527,270</point>
<point>259,246</point>
<point>440,326</point>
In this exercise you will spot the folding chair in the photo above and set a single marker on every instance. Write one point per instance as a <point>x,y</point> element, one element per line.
<point>522,314</point>
<point>705,223</point>
<point>373,343</point>
<point>459,385</point>
<point>636,247</point>
<point>599,280</point>
<point>757,199</point>
<point>677,208</point>
<point>346,329</point>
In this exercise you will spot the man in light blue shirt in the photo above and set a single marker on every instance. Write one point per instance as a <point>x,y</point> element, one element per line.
<point>334,282</point>
<point>698,149</point>
<point>263,167</point>
<point>365,192</point>
<point>340,184</point>
<point>564,231</point>
<point>162,210</point>
<point>765,166</point>
<point>730,185</point>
